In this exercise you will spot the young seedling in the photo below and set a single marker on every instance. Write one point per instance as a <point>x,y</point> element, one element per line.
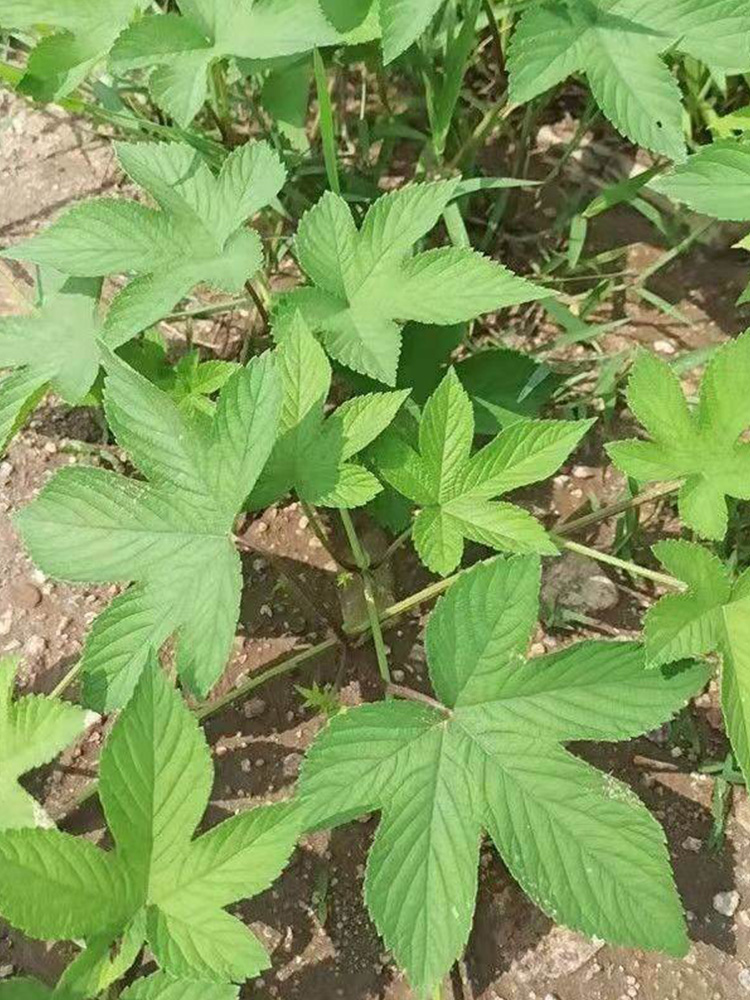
<point>455,489</point>
<point>313,454</point>
<point>366,283</point>
<point>702,448</point>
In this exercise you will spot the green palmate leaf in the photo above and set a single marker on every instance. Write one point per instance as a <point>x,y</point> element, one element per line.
<point>33,730</point>
<point>190,382</point>
<point>104,960</point>
<point>54,347</point>
<point>504,386</point>
<point>84,34</point>
<point>619,45</point>
<point>402,22</point>
<point>155,781</point>
<point>690,624</point>
<point>456,490</point>
<point>312,454</point>
<point>286,98</point>
<point>715,180</point>
<point>170,536</point>
<point>163,987</point>
<point>701,448</point>
<point>366,284</point>
<point>195,236</point>
<point>713,616</point>
<point>22,988</point>
<point>579,842</point>
<point>183,47</point>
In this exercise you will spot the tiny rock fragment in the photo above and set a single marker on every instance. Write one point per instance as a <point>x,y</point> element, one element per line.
<point>34,646</point>
<point>561,953</point>
<point>6,621</point>
<point>292,765</point>
<point>744,979</point>
<point>254,708</point>
<point>664,347</point>
<point>726,903</point>
<point>26,595</point>
<point>693,844</point>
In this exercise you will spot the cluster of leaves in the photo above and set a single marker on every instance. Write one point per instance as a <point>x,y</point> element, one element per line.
<point>158,885</point>
<point>619,45</point>
<point>382,310</point>
<point>489,757</point>
<point>430,463</point>
<point>196,236</point>
<point>702,449</point>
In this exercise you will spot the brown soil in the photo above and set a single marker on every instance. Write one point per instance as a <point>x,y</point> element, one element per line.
<point>313,920</point>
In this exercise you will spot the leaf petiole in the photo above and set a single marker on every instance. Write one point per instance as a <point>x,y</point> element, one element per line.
<point>630,567</point>
<point>363,562</point>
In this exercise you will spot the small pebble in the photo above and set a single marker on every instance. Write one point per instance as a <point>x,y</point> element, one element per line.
<point>34,646</point>
<point>398,676</point>
<point>664,347</point>
<point>693,844</point>
<point>726,903</point>
<point>6,621</point>
<point>26,595</point>
<point>292,765</point>
<point>254,708</point>
<point>744,978</point>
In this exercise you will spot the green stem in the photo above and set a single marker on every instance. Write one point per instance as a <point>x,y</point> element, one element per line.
<point>363,562</point>
<point>327,129</point>
<point>568,527</point>
<point>630,567</point>
<point>66,681</point>
<point>500,112</point>
<point>204,312</point>
<point>497,40</point>
<point>322,535</point>
<point>393,547</point>
<point>285,667</point>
